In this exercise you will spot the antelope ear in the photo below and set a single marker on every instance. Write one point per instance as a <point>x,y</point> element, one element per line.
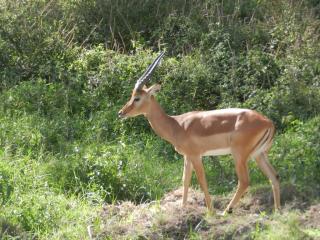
<point>153,89</point>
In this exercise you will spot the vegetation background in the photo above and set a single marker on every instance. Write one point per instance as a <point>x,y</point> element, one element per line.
<point>66,68</point>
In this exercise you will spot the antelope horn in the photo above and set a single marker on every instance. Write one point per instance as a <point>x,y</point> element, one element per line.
<point>147,74</point>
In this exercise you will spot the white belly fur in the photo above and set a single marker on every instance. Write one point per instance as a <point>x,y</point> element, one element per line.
<point>217,152</point>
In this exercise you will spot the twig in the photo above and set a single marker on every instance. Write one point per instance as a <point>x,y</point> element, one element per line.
<point>89,232</point>
<point>197,228</point>
<point>91,32</point>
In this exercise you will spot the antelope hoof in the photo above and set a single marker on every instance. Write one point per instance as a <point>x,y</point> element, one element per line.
<point>278,211</point>
<point>227,211</point>
<point>211,211</point>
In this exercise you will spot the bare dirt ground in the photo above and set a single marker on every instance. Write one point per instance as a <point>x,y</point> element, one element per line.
<point>166,219</point>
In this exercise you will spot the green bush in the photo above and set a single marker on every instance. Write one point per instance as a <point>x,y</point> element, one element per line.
<point>6,183</point>
<point>115,172</point>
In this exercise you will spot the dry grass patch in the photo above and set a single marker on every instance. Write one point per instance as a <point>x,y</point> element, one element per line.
<point>167,219</point>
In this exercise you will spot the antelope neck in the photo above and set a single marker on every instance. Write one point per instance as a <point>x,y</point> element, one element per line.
<point>160,122</point>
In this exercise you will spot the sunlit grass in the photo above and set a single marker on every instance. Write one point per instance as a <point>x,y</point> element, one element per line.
<point>281,226</point>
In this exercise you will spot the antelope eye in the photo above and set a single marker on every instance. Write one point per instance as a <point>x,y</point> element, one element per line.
<point>136,99</point>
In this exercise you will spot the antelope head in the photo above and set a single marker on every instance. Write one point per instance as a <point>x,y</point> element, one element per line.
<point>140,98</point>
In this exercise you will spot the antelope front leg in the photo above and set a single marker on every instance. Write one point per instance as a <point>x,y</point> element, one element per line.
<point>187,173</point>
<point>198,167</point>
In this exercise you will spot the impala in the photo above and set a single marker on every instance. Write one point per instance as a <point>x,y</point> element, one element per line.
<point>243,133</point>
